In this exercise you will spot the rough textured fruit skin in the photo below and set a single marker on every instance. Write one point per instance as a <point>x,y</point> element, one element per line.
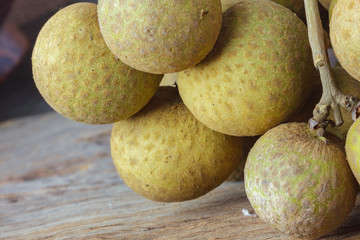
<point>165,154</point>
<point>297,6</point>
<point>352,147</point>
<point>162,36</point>
<point>347,85</point>
<point>238,173</point>
<point>345,35</point>
<point>78,75</point>
<point>258,74</point>
<point>299,184</point>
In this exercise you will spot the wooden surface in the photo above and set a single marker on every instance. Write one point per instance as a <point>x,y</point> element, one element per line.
<point>57,181</point>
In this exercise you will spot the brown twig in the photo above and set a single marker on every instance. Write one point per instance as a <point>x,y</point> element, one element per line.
<point>331,96</point>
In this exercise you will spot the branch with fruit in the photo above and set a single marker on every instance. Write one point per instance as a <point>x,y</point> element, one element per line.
<point>242,76</point>
<point>331,97</point>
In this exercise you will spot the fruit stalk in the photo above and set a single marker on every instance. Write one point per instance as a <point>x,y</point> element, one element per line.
<point>331,96</point>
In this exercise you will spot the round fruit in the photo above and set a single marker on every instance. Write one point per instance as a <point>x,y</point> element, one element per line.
<point>306,112</point>
<point>345,35</point>
<point>165,154</point>
<point>160,36</point>
<point>347,85</point>
<point>353,149</point>
<point>79,77</point>
<point>225,4</point>
<point>258,74</point>
<point>238,173</point>
<point>297,6</point>
<point>298,182</point>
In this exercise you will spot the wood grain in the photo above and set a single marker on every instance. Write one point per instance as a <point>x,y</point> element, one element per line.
<point>57,181</point>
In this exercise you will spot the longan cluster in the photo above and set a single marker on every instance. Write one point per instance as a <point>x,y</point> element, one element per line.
<point>243,69</point>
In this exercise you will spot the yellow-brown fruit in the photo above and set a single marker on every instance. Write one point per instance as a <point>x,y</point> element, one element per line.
<point>345,35</point>
<point>297,6</point>
<point>258,74</point>
<point>165,154</point>
<point>77,74</point>
<point>347,85</point>
<point>160,36</point>
<point>352,147</point>
<point>298,182</point>
<point>307,111</point>
<point>238,173</point>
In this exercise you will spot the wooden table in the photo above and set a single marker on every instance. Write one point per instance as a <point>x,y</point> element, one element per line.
<point>57,181</point>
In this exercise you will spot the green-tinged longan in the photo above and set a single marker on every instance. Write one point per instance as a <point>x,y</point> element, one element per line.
<point>258,75</point>
<point>162,36</point>
<point>345,35</point>
<point>352,147</point>
<point>79,77</point>
<point>163,153</point>
<point>347,85</point>
<point>298,182</point>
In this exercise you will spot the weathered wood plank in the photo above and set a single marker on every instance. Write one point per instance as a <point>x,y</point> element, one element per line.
<point>57,181</point>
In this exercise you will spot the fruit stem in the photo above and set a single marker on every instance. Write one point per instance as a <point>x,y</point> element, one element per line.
<point>331,96</point>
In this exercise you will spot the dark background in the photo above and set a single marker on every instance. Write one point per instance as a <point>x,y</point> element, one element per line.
<point>18,93</point>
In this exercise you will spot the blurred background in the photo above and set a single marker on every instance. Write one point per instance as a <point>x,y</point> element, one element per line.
<point>21,21</point>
